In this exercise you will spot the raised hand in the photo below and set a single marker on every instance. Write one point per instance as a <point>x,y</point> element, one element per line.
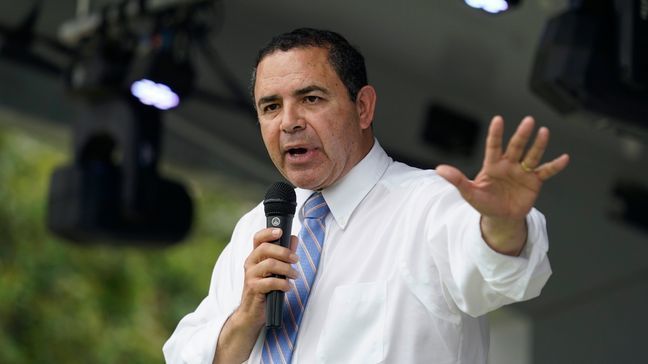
<point>508,184</point>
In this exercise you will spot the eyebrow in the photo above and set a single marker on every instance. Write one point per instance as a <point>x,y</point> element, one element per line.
<point>299,92</point>
<point>309,89</point>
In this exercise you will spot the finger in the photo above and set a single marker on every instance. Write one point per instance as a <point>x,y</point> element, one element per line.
<point>535,153</point>
<point>457,178</point>
<point>294,242</point>
<point>276,251</point>
<point>266,235</point>
<point>493,150</point>
<point>270,250</point>
<point>265,285</point>
<point>519,140</point>
<point>550,169</point>
<point>271,267</point>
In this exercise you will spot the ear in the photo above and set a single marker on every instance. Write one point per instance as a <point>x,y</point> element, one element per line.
<point>366,105</point>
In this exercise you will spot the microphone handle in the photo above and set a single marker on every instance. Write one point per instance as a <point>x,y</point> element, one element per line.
<point>275,299</point>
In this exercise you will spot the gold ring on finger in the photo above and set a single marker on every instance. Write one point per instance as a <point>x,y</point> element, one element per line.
<point>525,167</point>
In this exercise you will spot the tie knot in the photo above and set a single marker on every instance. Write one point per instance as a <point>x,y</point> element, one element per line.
<point>315,207</point>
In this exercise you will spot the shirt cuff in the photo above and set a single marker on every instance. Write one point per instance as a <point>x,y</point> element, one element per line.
<point>199,346</point>
<point>202,344</point>
<point>519,278</point>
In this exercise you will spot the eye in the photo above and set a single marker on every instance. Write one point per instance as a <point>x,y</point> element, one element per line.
<point>311,99</point>
<point>270,108</point>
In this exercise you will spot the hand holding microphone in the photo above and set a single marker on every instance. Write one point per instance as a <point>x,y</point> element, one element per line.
<point>269,263</point>
<point>264,282</point>
<point>279,205</point>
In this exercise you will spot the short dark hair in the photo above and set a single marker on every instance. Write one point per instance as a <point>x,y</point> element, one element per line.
<point>346,60</point>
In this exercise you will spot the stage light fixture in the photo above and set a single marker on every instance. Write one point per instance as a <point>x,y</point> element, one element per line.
<point>492,6</point>
<point>128,67</point>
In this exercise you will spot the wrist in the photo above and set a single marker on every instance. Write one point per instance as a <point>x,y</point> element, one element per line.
<point>246,323</point>
<point>236,339</point>
<point>505,236</point>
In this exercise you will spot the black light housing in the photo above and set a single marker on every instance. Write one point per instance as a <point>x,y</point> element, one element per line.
<point>450,130</point>
<point>632,199</point>
<point>112,191</point>
<point>592,57</point>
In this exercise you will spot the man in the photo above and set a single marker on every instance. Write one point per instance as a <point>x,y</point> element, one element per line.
<point>408,263</point>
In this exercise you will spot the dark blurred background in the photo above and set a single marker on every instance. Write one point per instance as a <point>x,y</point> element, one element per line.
<point>91,270</point>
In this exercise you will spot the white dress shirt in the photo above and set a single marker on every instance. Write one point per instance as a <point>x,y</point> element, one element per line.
<point>404,275</point>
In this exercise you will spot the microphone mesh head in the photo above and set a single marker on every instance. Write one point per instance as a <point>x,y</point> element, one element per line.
<point>280,199</point>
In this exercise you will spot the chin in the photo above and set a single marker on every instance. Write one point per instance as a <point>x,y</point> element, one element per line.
<point>309,178</point>
<point>305,185</point>
<point>304,182</point>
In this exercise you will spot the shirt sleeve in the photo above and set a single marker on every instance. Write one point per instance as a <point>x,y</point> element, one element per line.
<point>194,339</point>
<point>477,278</point>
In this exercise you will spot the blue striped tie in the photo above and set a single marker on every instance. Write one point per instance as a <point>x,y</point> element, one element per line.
<point>279,342</point>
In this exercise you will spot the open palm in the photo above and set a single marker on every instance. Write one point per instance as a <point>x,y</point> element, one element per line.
<point>509,182</point>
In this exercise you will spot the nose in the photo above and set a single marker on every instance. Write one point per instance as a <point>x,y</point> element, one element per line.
<point>293,120</point>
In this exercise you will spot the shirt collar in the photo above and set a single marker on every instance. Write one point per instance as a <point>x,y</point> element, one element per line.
<point>346,194</point>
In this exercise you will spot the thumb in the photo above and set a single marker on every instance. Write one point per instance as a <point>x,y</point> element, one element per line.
<point>454,176</point>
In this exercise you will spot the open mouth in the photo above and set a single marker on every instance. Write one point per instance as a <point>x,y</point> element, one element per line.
<point>297,151</point>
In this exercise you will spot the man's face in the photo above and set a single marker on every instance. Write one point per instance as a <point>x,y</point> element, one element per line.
<point>311,128</point>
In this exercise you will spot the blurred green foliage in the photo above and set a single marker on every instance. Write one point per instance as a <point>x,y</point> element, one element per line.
<point>69,303</point>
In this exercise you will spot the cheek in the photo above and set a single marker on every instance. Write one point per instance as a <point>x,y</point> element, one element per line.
<point>337,146</point>
<point>341,138</point>
<point>270,139</point>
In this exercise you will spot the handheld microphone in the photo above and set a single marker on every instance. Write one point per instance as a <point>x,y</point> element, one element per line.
<point>279,205</point>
